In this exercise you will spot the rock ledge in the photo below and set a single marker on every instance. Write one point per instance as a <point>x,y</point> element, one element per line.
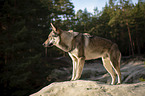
<point>91,88</point>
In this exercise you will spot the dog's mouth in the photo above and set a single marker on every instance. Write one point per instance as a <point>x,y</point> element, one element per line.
<point>49,45</point>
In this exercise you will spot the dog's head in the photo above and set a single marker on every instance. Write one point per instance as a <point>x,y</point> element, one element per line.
<point>53,37</point>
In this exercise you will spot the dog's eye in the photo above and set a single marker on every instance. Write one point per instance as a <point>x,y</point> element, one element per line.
<point>54,35</point>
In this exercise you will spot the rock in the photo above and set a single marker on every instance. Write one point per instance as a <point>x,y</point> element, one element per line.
<point>91,88</point>
<point>132,72</point>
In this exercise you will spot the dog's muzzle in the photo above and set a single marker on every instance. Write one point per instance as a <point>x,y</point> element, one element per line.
<point>47,45</point>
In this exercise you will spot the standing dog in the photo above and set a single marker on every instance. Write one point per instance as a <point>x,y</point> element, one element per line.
<point>83,47</point>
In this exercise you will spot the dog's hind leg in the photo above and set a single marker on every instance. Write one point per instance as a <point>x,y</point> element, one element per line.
<point>115,57</point>
<point>74,61</point>
<point>79,67</point>
<point>108,67</point>
<point>116,65</point>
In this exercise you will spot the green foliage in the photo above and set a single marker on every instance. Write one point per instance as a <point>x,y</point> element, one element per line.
<point>120,21</point>
<point>24,27</point>
<point>141,79</point>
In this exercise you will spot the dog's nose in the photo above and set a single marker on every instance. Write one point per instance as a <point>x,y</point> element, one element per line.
<point>43,44</point>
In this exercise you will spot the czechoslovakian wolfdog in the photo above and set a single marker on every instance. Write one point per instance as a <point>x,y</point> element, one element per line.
<point>81,47</point>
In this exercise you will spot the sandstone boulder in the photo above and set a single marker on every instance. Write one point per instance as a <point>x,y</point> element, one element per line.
<point>91,88</point>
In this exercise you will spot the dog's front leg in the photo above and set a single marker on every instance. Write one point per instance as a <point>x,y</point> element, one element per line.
<point>74,69</point>
<point>79,67</point>
<point>74,61</point>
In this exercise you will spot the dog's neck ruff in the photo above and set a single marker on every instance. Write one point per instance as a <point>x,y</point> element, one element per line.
<point>73,45</point>
<point>71,49</point>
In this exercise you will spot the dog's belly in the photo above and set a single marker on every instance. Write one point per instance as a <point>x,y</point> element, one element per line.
<point>89,54</point>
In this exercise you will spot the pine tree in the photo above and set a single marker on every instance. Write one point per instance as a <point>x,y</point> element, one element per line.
<point>24,27</point>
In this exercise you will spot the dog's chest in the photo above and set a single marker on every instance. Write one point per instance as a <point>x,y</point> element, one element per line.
<point>75,52</point>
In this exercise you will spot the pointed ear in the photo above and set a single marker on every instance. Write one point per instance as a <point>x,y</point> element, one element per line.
<point>53,28</point>
<point>58,31</point>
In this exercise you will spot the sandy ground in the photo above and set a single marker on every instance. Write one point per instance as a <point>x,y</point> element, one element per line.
<point>96,81</point>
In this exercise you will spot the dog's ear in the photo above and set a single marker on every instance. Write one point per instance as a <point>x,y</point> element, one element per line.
<point>55,29</point>
<point>58,31</point>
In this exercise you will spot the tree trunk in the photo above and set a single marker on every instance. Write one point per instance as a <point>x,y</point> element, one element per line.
<point>131,44</point>
<point>137,40</point>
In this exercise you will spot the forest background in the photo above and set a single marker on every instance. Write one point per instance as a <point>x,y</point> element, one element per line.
<point>25,24</point>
